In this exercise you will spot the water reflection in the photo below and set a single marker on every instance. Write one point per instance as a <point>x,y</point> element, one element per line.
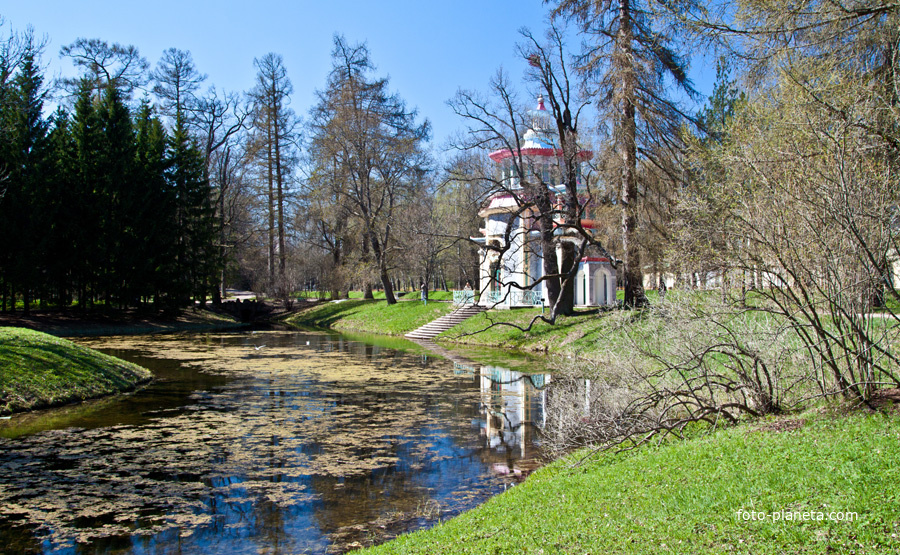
<point>511,402</point>
<point>266,442</point>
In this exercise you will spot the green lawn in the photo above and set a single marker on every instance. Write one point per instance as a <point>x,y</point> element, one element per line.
<point>695,497</point>
<point>432,295</point>
<point>39,370</point>
<point>577,334</point>
<point>370,316</point>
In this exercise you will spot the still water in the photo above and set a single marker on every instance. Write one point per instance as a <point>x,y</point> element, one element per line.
<point>269,442</point>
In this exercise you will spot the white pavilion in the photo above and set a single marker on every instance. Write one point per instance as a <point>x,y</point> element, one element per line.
<point>522,263</point>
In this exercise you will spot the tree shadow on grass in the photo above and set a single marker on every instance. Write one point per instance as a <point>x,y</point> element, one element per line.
<point>327,315</point>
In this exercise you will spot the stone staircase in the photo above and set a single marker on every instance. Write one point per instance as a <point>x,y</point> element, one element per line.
<point>434,328</point>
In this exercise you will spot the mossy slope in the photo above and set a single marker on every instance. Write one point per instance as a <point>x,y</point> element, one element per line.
<point>38,370</point>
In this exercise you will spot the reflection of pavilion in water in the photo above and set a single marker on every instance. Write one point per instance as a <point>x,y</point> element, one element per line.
<point>513,405</point>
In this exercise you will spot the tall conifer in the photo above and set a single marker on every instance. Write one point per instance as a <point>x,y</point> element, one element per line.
<point>118,197</point>
<point>63,238</point>
<point>86,132</point>
<point>629,59</point>
<point>154,221</point>
<point>24,195</point>
<point>196,256</point>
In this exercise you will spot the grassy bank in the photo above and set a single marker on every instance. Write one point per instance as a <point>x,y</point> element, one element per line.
<point>696,496</point>
<point>369,316</point>
<point>576,334</point>
<point>570,335</point>
<point>377,317</point>
<point>703,495</point>
<point>39,370</point>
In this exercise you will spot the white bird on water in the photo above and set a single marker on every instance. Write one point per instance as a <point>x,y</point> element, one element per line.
<point>258,347</point>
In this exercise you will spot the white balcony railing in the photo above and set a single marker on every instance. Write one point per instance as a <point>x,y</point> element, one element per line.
<point>515,298</point>
<point>463,297</point>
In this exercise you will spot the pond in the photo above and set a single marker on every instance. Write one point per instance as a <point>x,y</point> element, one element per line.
<point>266,442</point>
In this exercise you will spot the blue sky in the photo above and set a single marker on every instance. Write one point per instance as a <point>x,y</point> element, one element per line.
<point>428,48</point>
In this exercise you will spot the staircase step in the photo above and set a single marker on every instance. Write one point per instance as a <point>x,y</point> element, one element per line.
<point>436,327</point>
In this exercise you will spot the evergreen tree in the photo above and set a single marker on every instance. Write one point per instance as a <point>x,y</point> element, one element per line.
<point>722,104</point>
<point>61,209</point>
<point>195,253</point>
<point>119,198</point>
<point>154,221</point>
<point>23,216</point>
<point>87,136</point>
<point>100,205</point>
<point>7,111</point>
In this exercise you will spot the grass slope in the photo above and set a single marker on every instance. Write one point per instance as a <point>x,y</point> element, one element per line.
<point>39,370</point>
<point>378,317</point>
<point>370,316</point>
<point>685,497</point>
<point>571,335</point>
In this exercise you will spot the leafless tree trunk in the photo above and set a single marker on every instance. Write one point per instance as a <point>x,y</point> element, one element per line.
<point>375,142</point>
<point>626,57</point>
<point>270,97</point>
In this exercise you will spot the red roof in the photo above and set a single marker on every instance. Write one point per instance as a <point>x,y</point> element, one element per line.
<point>498,155</point>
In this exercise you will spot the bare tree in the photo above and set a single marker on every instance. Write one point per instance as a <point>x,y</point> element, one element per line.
<point>373,143</point>
<point>627,59</point>
<point>175,80</point>
<point>809,181</point>
<point>551,70</point>
<point>103,65</point>
<point>684,363</point>
<point>217,120</point>
<point>276,125</point>
<point>327,222</point>
<point>499,124</point>
<point>456,204</point>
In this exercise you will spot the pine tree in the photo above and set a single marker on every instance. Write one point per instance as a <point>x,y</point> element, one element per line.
<point>195,253</point>
<point>176,79</point>
<point>154,222</point>
<point>23,154</point>
<point>87,213</point>
<point>61,209</point>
